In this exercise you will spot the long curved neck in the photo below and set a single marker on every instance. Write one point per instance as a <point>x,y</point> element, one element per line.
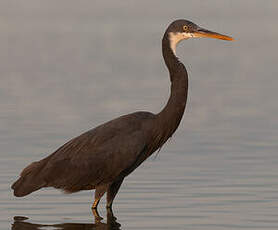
<point>171,115</point>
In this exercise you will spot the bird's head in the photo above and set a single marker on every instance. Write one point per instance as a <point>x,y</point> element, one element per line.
<point>184,29</point>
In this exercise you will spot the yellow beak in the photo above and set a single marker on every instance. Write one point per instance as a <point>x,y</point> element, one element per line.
<point>203,33</point>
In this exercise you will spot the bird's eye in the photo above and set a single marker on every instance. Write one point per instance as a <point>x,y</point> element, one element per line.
<point>185,28</point>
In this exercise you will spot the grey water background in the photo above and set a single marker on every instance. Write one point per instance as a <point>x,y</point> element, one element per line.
<point>67,66</point>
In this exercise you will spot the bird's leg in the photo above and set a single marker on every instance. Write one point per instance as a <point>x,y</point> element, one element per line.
<point>100,190</point>
<point>112,191</point>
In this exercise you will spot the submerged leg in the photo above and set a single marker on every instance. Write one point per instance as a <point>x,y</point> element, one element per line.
<point>98,194</point>
<point>112,191</point>
<point>112,220</point>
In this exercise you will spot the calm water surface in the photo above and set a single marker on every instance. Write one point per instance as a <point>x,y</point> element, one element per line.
<point>67,66</point>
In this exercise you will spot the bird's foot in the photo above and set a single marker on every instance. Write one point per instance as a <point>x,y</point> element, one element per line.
<point>98,218</point>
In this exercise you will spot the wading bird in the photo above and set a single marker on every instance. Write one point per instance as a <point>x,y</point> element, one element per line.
<point>101,158</point>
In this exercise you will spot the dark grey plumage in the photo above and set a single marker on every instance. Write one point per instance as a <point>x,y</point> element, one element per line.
<point>102,157</point>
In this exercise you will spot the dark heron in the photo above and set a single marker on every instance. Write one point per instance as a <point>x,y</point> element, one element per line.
<point>101,158</point>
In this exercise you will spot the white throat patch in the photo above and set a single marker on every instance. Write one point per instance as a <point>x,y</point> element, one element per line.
<point>175,38</point>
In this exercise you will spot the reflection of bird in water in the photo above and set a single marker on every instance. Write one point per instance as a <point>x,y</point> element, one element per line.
<point>102,157</point>
<point>20,224</point>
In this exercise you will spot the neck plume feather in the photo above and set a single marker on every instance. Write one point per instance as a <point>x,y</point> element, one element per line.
<point>169,118</point>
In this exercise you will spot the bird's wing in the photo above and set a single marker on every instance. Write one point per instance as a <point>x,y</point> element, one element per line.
<point>99,155</point>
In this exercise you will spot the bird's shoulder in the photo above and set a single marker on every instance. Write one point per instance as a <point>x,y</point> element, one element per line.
<point>128,122</point>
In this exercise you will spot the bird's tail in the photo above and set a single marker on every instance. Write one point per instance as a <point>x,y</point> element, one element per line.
<point>30,179</point>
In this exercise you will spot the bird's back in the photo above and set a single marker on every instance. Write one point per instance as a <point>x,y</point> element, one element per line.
<point>95,157</point>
